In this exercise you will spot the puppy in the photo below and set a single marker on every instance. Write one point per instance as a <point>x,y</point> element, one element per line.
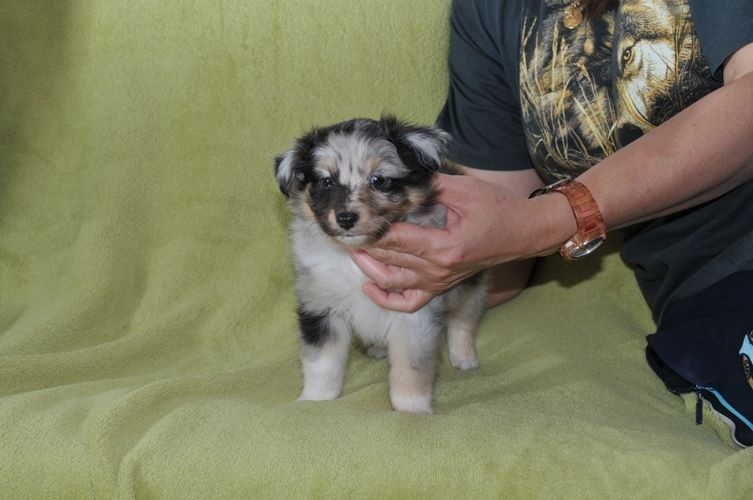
<point>345,185</point>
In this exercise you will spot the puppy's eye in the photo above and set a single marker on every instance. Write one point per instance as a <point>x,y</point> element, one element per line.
<point>380,183</point>
<point>327,182</point>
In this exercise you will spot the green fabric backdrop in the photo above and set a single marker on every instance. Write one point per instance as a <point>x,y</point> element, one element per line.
<point>147,326</point>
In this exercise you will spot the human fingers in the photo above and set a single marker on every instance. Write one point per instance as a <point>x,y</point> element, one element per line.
<point>384,275</point>
<point>410,300</point>
<point>394,258</point>
<point>410,238</point>
<point>455,191</point>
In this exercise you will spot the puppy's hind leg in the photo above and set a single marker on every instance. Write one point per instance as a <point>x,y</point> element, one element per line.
<point>325,346</point>
<point>413,351</point>
<point>462,321</point>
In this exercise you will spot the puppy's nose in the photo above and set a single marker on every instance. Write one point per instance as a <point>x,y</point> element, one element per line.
<point>346,220</point>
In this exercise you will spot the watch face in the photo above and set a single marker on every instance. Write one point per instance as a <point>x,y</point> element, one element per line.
<point>586,249</point>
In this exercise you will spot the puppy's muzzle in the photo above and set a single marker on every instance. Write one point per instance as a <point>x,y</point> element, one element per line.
<point>346,220</point>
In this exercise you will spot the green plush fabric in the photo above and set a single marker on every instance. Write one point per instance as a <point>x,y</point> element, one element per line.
<point>147,326</point>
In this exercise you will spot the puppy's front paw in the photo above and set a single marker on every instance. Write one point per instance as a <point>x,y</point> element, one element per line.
<point>419,404</point>
<point>464,362</point>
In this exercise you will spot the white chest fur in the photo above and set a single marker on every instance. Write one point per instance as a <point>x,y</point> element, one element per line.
<point>329,281</point>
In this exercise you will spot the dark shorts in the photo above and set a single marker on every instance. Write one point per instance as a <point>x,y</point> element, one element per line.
<point>705,344</point>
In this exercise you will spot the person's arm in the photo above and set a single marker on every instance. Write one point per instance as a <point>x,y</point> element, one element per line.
<point>505,281</point>
<point>701,153</point>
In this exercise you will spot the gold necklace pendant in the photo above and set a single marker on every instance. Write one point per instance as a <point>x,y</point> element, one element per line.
<point>573,15</point>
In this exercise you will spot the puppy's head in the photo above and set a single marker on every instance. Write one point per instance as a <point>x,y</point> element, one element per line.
<point>357,177</point>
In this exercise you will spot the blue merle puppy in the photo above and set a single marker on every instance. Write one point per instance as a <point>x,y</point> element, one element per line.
<point>345,185</point>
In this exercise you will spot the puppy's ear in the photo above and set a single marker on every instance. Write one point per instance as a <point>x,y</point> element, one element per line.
<point>423,146</point>
<point>285,171</point>
<point>429,145</point>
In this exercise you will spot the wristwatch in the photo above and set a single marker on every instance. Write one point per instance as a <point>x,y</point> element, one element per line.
<point>591,229</point>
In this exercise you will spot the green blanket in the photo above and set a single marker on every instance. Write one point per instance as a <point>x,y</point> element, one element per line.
<point>147,320</point>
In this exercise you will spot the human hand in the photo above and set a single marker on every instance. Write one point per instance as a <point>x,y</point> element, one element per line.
<point>486,225</point>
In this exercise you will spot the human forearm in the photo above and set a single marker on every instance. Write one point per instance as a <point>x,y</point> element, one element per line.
<point>698,155</point>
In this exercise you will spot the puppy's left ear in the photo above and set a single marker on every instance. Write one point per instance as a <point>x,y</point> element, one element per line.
<point>284,171</point>
<point>424,146</point>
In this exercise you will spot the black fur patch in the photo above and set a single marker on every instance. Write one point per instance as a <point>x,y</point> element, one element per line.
<point>314,328</point>
<point>324,198</point>
<point>396,132</point>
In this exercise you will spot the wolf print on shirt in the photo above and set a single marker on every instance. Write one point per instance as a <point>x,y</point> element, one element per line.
<point>588,91</point>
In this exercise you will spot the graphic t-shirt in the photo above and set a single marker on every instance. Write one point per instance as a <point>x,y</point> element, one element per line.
<point>587,91</point>
<point>527,92</point>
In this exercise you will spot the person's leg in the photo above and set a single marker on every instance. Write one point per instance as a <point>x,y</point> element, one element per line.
<point>703,349</point>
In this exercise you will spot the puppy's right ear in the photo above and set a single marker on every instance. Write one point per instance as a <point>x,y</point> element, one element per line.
<point>284,171</point>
